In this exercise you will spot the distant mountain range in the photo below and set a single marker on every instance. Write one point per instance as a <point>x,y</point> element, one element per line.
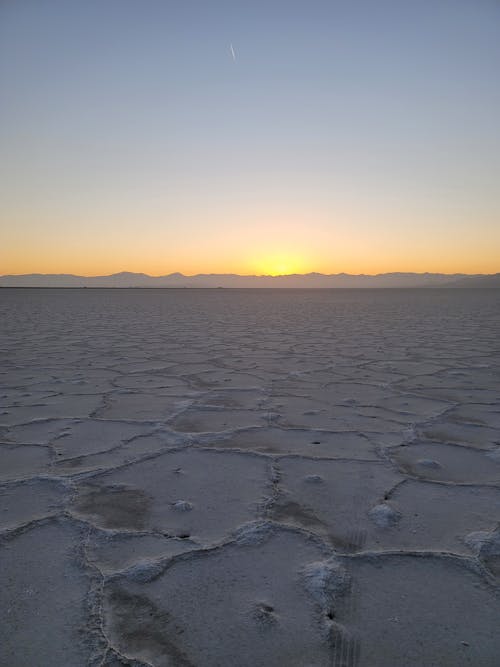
<point>229,280</point>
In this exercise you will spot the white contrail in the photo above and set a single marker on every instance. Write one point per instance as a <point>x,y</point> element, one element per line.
<point>232,52</point>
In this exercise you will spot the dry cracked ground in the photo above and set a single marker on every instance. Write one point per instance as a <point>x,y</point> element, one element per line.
<point>250,478</point>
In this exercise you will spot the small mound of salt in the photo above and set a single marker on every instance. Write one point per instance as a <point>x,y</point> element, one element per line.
<point>484,543</point>
<point>313,479</point>
<point>182,505</point>
<point>384,515</point>
<point>326,581</point>
<point>428,463</point>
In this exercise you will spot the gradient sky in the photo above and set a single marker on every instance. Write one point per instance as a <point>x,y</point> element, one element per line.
<point>355,136</point>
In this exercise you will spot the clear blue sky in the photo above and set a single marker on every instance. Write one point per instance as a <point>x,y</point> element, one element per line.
<point>347,136</point>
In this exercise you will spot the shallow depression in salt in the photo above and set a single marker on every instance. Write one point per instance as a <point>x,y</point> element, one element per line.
<point>308,478</point>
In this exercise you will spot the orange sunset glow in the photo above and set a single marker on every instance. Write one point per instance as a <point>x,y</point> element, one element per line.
<point>307,148</point>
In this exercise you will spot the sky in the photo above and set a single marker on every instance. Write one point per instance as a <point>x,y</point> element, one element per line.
<point>265,137</point>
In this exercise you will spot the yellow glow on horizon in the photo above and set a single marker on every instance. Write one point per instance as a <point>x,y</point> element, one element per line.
<point>280,264</point>
<point>280,245</point>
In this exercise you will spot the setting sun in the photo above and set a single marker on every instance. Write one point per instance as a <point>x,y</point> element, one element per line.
<point>280,264</point>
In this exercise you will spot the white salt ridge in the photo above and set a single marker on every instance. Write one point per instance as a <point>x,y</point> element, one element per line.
<point>254,533</point>
<point>145,571</point>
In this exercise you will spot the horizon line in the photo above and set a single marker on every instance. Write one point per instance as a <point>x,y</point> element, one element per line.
<point>249,275</point>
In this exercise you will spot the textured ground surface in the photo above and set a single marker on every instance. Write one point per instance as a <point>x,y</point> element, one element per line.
<point>250,478</point>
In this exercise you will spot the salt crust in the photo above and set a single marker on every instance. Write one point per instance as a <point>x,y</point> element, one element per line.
<point>242,478</point>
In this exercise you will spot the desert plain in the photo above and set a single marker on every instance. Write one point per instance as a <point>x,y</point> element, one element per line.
<point>250,478</point>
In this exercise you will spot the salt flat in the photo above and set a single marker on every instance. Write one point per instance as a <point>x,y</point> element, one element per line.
<point>250,478</point>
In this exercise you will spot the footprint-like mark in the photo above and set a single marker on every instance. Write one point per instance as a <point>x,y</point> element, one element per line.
<point>135,622</point>
<point>113,506</point>
<point>295,514</point>
<point>351,542</point>
<point>346,649</point>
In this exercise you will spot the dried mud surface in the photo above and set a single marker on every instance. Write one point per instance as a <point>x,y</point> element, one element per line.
<point>212,478</point>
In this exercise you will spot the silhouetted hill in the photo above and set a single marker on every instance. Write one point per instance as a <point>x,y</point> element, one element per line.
<point>210,280</point>
<point>492,280</point>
